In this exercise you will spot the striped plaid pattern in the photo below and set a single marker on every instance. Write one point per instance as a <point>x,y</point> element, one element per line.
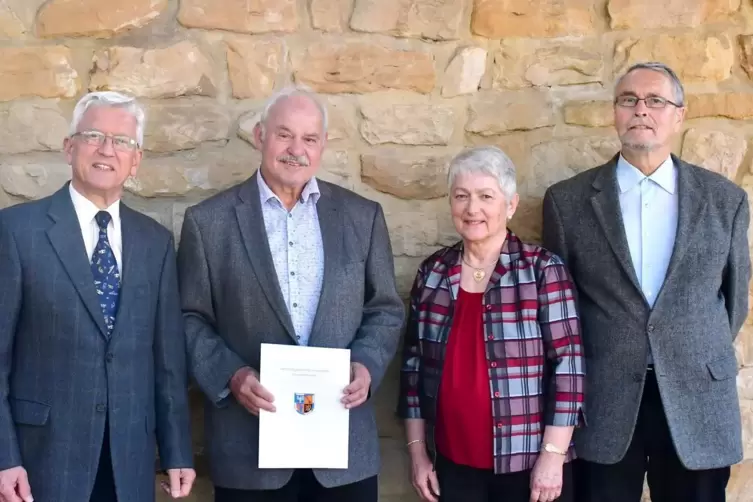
<point>533,347</point>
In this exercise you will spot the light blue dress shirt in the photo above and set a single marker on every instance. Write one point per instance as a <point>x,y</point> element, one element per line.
<point>649,206</point>
<point>295,241</point>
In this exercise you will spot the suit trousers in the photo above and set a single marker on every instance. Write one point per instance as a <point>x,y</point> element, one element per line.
<point>104,483</point>
<point>652,453</point>
<point>304,487</point>
<point>460,483</point>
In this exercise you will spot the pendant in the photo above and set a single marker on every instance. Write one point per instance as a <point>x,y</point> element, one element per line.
<point>479,275</point>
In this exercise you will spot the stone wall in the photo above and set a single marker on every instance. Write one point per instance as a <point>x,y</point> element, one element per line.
<point>408,84</point>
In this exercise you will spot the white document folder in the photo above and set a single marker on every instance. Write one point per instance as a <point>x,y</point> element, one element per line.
<point>310,427</point>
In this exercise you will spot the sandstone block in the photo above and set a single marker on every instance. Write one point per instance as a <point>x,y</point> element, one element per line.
<point>413,230</point>
<point>359,67</point>
<point>732,105</point>
<point>45,72</point>
<point>589,113</point>
<point>464,73</point>
<point>16,16</point>
<point>246,124</point>
<point>336,168</point>
<point>746,408</point>
<point>694,58</point>
<point>746,56</point>
<point>423,123</point>
<point>522,63</point>
<point>173,127</point>
<point>253,66</point>
<point>523,18</point>
<point>5,201</point>
<point>32,179</point>
<point>331,15</point>
<point>648,14</point>
<point>740,485</point>
<point>93,18</point>
<point>178,70</point>
<point>429,19</point>
<point>411,176</point>
<point>259,16</point>
<point>498,112</point>
<point>27,127</point>
<point>745,383</point>
<point>717,151</point>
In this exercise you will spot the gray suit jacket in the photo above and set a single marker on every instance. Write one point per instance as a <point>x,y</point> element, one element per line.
<point>232,304</point>
<point>691,329</point>
<point>62,375</point>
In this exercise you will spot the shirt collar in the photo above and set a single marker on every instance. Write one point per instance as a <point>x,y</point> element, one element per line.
<point>86,210</point>
<point>628,176</point>
<point>310,191</point>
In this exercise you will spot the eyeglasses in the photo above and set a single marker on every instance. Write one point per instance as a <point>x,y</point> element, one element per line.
<point>97,138</point>
<point>628,101</point>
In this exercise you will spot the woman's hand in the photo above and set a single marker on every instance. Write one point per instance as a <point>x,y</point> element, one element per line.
<point>546,477</point>
<point>424,477</point>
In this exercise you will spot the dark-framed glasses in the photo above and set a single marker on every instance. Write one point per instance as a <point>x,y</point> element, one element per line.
<point>97,138</point>
<point>630,101</point>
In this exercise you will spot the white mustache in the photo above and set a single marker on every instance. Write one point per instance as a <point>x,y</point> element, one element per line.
<point>302,160</point>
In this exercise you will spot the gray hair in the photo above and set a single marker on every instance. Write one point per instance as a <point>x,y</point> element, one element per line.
<point>679,92</point>
<point>112,99</point>
<point>288,92</point>
<point>488,160</point>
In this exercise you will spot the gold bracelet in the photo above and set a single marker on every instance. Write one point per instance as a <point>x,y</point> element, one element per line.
<point>414,441</point>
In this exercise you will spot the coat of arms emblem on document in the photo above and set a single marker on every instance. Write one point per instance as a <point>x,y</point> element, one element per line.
<point>304,403</point>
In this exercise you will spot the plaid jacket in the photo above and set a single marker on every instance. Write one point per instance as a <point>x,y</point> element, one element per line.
<point>533,347</point>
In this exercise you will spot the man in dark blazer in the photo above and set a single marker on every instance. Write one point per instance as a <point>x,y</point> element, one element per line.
<point>92,349</point>
<point>285,258</point>
<point>659,252</point>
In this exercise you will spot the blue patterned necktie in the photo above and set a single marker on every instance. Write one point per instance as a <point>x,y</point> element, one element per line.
<point>105,272</point>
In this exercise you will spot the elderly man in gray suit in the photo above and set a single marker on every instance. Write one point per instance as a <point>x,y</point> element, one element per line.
<point>92,349</point>
<point>659,252</point>
<point>285,258</point>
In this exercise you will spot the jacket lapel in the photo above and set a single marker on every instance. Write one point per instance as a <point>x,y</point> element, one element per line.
<point>606,206</point>
<point>133,259</point>
<point>65,237</point>
<point>253,234</point>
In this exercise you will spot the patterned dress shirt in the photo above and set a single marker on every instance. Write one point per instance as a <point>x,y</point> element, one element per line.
<point>533,348</point>
<point>295,241</point>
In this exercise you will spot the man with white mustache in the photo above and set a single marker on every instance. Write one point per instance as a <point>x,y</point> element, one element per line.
<point>658,250</point>
<point>288,259</point>
<point>92,348</point>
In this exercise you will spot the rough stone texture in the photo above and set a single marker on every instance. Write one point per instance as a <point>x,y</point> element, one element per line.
<point>420,176</point>
<point>521,63</point>
<point>253,66</point>
<point>258,16</point>
<point>358,67</point>
<point>589,113</point>
<point>331,15</point>
<point>16,17</point>
<point>523,18</point>
<point>747,418</point>
<point>497,112</point>
<point>32,179</point>
<point>430,19</point>
<point>178,70</point>
<point>746,54</point>
<point>425,123</point>
<point>20,131</point>
<point>246,124</point>
<point>95,18</point>
<point>464,73</point>
<point>184,126</point>
<point>649,14</point>
<point>45,72</point>
<point>745,383</point>
<point>717,151</point>
<point>694,58</point>
<point>733,105</point>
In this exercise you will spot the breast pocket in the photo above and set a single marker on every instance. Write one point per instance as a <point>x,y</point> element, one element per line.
<point>27,412</point>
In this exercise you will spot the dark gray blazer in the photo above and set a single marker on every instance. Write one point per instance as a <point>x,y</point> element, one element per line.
<point>62,376</point>
<point>232,304</point>
<point>691,329</point>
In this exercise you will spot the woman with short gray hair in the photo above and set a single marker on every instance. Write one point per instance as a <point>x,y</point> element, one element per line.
<point>492,373</point>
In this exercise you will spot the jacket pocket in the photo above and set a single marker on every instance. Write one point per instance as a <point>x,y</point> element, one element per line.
<point>723,368</point>
<point>28,412</point>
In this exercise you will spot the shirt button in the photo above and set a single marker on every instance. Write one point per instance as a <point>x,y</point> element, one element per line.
<point>496,394</point>
<point>291,243</point>
<point>295,305</point>
<point>494,365</point>
<point>490,337</point>
<point>292,273</point>
<point>499,425</point>
<point>101,408</point>
<point>488,307</point>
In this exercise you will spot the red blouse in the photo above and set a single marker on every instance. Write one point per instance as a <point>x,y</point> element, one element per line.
<point>465,427</point>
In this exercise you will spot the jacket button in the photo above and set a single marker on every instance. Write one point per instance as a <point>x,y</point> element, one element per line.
<point>650,328</point>
<point>101,408</point>
<point>637,377</point>
<point>109,357</point>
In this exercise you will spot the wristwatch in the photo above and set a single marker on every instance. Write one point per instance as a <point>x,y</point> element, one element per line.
<point>549,447</point>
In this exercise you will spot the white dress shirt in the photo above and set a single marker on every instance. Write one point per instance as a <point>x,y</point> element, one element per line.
<point>295,241</point>
<point>649,207</point>
<point>86,210</point>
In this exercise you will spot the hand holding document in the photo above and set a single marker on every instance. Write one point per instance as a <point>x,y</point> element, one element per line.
<point>310,427</point>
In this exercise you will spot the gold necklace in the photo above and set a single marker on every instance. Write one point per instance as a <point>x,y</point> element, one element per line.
<point>478,273</point>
